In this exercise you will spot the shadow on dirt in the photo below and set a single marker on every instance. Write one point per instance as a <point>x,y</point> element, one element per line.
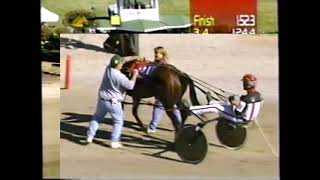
<point>71,131</point>
<point>80,118</point>
<point>66,42</point>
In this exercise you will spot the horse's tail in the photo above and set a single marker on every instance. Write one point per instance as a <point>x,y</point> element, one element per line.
<point>192,91</point>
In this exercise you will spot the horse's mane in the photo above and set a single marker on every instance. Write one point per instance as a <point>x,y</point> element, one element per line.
<point>174,68</point>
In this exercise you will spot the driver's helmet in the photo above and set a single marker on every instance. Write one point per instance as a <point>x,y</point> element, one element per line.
<point>249,81</point>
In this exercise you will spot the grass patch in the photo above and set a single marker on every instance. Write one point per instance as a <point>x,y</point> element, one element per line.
<point>61,7</point>
<point>267,16</point>
<point>267,10</point>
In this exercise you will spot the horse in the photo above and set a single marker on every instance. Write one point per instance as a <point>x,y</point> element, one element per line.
<point>166,83</point>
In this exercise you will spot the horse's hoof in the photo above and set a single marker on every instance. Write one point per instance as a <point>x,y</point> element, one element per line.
<point>140,127</point>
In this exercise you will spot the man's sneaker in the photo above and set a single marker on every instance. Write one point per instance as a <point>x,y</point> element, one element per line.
<point>115,145</point>
<point>151,130</point>
<point>209,97</point>
<point>89,140</point>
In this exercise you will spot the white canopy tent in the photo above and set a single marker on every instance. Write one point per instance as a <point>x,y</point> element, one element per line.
<point>48,16</point>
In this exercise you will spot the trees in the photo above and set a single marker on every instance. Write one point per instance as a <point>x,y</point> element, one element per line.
<point>50,43</point>
<point>77,20</point>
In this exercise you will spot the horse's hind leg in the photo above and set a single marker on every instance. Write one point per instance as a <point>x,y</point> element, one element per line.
<point>175,122</point>
<point>181,103</point>
<point>135,112</point>
<point>183,110</point>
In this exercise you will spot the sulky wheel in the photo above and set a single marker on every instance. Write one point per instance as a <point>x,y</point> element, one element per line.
<point>232,136</point>
<point>191,145</point>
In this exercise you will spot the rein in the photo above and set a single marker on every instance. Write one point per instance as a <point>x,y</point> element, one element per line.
<point>177,108</point>
<point>201,83</point>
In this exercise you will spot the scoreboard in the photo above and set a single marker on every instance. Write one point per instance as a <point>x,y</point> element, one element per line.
<point>224,16</point>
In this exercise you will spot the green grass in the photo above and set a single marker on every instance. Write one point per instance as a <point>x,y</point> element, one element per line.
<point>61,7</point>
<point>174,7</point>
<point>180,7</point>
<point>267,16</point>
<point>267,10</point>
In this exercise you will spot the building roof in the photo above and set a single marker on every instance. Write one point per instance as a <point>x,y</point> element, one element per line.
<point>166,22</point>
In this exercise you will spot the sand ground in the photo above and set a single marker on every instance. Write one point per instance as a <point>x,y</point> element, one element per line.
<point>50,114</point>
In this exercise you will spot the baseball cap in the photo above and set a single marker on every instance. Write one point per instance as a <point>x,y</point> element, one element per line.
<point>115,60</point>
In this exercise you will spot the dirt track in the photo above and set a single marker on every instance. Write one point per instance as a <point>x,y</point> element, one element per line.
<point>217,59</point>
<point>50,114</point>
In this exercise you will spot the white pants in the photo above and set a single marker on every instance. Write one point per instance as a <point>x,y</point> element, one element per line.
<point>221,108</point>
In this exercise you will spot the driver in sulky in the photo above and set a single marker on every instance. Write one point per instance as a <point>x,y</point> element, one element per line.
<point>237,109</point>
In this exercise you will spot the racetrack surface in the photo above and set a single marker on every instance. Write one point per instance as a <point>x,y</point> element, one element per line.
<point>220,60</point>
<point>50,115</point>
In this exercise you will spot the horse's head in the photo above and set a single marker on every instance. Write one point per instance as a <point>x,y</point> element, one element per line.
<point>129,66</point>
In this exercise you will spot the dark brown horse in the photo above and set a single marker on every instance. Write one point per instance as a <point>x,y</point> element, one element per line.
<point>166,83</point>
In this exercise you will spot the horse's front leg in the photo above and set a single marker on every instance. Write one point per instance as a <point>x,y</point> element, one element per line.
<point>135,112</point>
